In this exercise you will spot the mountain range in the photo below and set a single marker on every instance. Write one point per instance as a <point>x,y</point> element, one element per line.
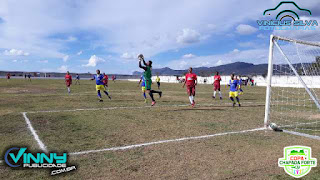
<point>239,68</point>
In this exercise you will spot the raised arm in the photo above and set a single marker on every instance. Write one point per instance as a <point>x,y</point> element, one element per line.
<point>142,67</point>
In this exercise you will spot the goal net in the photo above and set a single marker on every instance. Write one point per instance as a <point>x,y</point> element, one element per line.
<point>293,89</point>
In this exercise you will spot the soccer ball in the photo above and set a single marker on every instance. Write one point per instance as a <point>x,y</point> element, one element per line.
<point>275,127</point>
<point>140,57</point>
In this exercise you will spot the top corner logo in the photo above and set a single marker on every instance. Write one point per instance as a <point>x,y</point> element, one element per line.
<point>297,161</point>
<point>287,16</point>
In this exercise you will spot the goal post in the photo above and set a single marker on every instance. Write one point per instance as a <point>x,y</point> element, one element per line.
<point>293,85</point>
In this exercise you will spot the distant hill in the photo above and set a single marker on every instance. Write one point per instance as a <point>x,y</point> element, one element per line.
<point>240,68</point>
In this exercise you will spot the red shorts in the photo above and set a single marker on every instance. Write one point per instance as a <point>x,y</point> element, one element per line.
<point>216,87</point>
<point>68,84</point>
<point>191,90</point>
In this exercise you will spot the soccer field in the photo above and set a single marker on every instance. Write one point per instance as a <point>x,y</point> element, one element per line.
<point>125,138</point>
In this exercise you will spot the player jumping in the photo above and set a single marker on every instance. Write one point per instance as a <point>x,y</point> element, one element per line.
<point>68,80</point>
<point>216,85</point>
<point>191,81</point>
<point>143,88</point>
<point>99,85</point>
<point>147,76</point>
<point>234,84</point>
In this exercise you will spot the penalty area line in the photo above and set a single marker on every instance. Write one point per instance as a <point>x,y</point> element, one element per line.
<point>34,133</point>
<point>164,141</point>
<point>136,107</point>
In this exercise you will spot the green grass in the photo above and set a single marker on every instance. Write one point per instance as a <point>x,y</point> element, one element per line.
<point>241,156</point>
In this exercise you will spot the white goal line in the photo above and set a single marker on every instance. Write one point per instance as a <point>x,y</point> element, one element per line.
<point>138,107</point>
<point>302,134</point>
<point>164,141</point>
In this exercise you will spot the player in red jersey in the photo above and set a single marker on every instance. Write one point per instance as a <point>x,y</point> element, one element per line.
<point>216,85</point>
<point>105,80</point>
<point>68,80</point>
<point>191,81</point>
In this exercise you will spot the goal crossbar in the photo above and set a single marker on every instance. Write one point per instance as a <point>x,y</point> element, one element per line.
<point>297,41</point>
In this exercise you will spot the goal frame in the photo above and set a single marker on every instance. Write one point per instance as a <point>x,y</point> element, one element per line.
<point>272,45</point>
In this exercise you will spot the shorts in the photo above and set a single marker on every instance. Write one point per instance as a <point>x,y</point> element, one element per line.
<point>143,88</point>
<point>100,88</point>
<point>158,83</point>
<point>216,87</point>
<point>148,83</point>
<point>191,90</point>
<point>233,94</point>
<point>68,84</point>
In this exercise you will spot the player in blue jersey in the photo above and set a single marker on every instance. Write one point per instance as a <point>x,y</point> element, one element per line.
<point>143,87</point>
<point>100,85</point>
<point>234,85</point>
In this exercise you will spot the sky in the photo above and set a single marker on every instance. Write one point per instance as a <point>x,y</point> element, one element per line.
<point>85,35</point>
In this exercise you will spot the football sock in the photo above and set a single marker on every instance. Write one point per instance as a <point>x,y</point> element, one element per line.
<point>220,94</point>
<point>232,99</point>
<point>214,94</point>
<point>238,100</point>
<point>68,90</point>
<point>151,95</point>
<point>144,95</point>
<point>191,99</point>
<point>99,94</point>
<point>106,93</point>
<point>153,91</point>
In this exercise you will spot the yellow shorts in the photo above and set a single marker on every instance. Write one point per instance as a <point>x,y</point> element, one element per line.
<point>143,88</point>
<point>233,94</point>
<point>100,87</point>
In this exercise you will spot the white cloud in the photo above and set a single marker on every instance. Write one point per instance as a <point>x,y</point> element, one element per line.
<point>219,63</point>
<point>128,56</point>
<point>262,36</point>
<point>247,44</point>
<point>15,52</point>
<point>188,36</point>
<point>63,68</point>
<point>235,51</point>
<point>14,60</point>
<point>71,39</point>
<point>93,61</point>
<point>245,29</point>
<point>79,53</point>
<point>186,56</point>
<point>65,58</point>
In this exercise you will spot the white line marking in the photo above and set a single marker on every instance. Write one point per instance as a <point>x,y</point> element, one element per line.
<point>34,133</point>
<point>135,107</point>
<point>164,141</point>
<point>302,134</point>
